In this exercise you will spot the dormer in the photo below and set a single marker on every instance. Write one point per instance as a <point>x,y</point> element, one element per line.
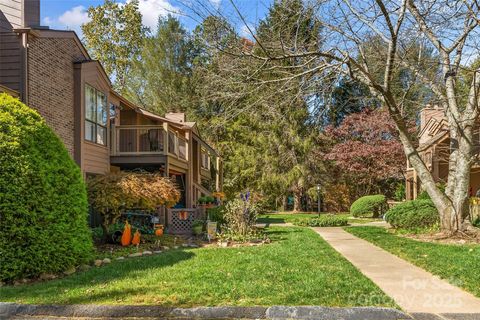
<point>432,122</point>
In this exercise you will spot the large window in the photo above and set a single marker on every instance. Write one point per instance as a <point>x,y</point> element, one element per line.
<point>96,115</point>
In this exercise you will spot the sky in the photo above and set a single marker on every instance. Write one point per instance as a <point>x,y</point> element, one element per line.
<point>71,14</point>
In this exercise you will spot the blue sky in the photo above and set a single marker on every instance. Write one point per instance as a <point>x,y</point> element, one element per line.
<point>70,14</point>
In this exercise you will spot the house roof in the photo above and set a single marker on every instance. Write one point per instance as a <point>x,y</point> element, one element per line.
<point>52,33</point>
<point>434,140</point>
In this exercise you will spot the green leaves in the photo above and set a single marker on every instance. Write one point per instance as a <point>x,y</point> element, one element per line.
<point>43,203</point>
<point>114,36</point>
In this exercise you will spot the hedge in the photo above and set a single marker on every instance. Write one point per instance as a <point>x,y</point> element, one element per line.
<point>411,215</point>
<point>322,221</point>
<point>369,206</point>
<point>43,200</point>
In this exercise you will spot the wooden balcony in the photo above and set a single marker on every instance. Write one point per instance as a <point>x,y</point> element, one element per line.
<point>145,144</point>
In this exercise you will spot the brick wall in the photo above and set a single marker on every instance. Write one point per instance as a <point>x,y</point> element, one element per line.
<point>51,83</point>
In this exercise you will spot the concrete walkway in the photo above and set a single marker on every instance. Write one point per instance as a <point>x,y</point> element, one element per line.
<point>412,288</point>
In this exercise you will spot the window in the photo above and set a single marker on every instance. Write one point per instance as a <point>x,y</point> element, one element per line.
<point>205,160</point>
<point>96,115</point>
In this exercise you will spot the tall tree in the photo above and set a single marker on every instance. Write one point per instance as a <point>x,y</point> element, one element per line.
<point>114,36</point>
<point>160,79</point>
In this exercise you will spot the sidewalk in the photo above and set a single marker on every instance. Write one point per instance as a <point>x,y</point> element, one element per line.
<point>413,289</point>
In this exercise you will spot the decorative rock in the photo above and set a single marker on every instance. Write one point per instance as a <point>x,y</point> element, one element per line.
<point>83,267</point>
<point>185,245</point>
<point>97,263</point>
<point>136,254</point>
<point>1,284</point>
<point>165,248</point>
<point>147,253</point>
<point>158,251</point>
<point>70,271</point>
<point>47,276</point>
<point>193,245</point>
<point>223,244</point>
<point>175,247</point>
<point>106,261</point>
<point>120,258</point>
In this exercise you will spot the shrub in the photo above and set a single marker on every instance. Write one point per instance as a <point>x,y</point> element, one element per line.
<point>400,192</point>
<point>43,201</point>
<point>322,221</point>
<point>369,206</point>
<point>240,218</point>
<point>109,194</point>
<point>216,214</point>
<point>411,215</point>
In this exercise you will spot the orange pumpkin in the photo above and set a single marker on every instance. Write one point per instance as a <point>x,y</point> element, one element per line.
<point>159,232</point>
<point>126,235</point>
<point>136,238</point>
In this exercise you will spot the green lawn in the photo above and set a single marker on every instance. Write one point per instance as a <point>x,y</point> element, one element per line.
<point>459,264</point>
<point>289,217</point>
<point>298,268</point>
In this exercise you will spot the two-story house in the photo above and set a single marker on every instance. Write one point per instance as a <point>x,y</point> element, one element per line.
<point>52,72</point>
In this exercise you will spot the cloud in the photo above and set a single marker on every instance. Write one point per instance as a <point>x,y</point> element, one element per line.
<point>216,3</point>
<point>71,19</point>
<point>152,9</point>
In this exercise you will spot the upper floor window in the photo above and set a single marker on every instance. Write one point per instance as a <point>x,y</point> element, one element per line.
<point>96,115</point>
<point>205,160</point>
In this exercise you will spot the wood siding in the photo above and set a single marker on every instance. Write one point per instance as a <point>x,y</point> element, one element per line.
<point>10,44</point>
<point>93,158</point>
<point>11,13</point>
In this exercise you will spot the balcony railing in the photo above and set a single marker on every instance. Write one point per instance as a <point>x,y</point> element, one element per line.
<point>139,140</point>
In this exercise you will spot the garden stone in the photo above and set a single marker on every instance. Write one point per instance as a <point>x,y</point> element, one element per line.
<point>157,252</point>
<point>83,267</point>
<point>223,244</point>
<point>47,276</point>
<point>106,261</point>
<point>165,248</point>
<point>70,271</point>
<point>98,263</point>
<point>185,245</point>
<point>147,253</point>
<point>136,254</point>
<point>120,258</point>
<point>193,245</point>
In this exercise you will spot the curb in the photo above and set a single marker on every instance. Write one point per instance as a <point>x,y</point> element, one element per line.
<point>276,312</point>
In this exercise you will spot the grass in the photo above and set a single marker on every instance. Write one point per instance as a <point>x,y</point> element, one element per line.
<point>298,268</point>
<point>290,217</point>
<point>458,264</point>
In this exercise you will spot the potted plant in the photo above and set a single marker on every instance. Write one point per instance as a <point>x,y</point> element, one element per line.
<point>197,227</point>
<point>201,201</point>
<point>209,201</point>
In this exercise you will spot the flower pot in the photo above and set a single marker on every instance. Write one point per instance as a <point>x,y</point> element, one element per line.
<point>197,230</point>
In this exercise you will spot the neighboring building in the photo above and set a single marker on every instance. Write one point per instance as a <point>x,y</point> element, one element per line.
<point>51,71</point>
<point>434,148</point>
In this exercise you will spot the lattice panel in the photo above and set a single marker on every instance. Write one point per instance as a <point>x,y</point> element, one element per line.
<point>177,222</point>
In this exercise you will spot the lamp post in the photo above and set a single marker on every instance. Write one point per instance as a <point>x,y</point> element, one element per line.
<point>318,199</point>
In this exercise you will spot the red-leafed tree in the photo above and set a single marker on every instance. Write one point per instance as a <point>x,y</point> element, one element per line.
<point>367,152</point>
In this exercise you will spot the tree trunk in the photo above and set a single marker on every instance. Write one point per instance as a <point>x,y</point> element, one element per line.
<point>297,200</point>
<point>284,203</point>
<point>105,237</point>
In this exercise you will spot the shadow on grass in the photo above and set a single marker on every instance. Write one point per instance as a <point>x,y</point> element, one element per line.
<point>81,287</point>
<point>268,220</point>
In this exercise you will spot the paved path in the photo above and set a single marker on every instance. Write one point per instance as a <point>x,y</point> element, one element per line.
<point>412,288</point>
